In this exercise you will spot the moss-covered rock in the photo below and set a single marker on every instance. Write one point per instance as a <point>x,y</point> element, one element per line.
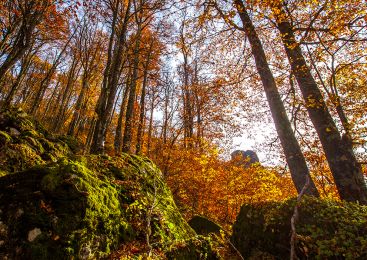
<point>24,143</point>
<point>87,208</point>
<point>325,229</point>
<point>204,226</point>
<point>56,204</point>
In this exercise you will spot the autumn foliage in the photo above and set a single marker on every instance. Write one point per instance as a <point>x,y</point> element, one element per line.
<point>178,81</point>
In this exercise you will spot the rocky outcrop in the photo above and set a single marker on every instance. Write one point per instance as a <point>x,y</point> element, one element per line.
<point>325,230</point>
<point>68,206</point>
<point>24,143</point>
<point>244,158</point>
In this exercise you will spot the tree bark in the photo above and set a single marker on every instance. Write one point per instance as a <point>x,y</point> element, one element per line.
<point>79,104</point>
<point>119,127</point>
<point>150,128</point>
<point>65,96</point>
<point>141,125</point>
<point>128,132</point>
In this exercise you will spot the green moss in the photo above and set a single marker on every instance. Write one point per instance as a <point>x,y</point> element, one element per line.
<point>71,142</point>
<point>4,137</point>
<point>3,173</point>
<point>150,195</point>
<point>325,229</point>
<point>84,206</point>
<point>18,157</point>
<point>93,204</point>
<point>32,146</point>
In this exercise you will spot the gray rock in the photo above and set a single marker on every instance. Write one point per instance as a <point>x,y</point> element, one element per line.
<point>13,131</point>
<point>245,158</point>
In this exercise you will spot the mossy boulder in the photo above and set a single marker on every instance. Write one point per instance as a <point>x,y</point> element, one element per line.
<point>56,204</point>
<point>25,143</point>
<point>88,207</point>
<point>326,229</point>
<point>203,226</point>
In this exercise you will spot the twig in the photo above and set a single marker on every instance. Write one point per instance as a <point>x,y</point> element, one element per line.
<point>235,249</point>
<point>294,219</point>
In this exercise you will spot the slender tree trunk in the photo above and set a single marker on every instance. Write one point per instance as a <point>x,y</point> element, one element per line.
<point>119,127</point>
<point>142,103</point>
<point>68,89</point>
<point>150,128</point>
<point>346,171</point>
<point>199,135</point>
<point>108,95</point>
<point>49,103</point>
<point>139,140</point>
<point>21,46</point>
<point>88,142</point>
<point>79,103</point>
<point>96,140</point>
<point>128,133</point>
<point>23,71</point>
<point>294,157</point>
<point>187,98</point>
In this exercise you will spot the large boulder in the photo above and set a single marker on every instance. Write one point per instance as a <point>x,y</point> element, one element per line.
<point>85,209</point>
<point>68,206</point>
<point>326,229</point>
<point>244,158</point>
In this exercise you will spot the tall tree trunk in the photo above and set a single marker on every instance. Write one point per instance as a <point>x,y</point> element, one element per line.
<point>294,157</point>
<point>150,128</point>
<point>139,138</point>
<point>23,71</point>
<point>22,44</point>
<point>142,101</point>
<point>79,104</point>
<point>119,127</point>
<point>88,142</point>
<point>64,98</point>
<point>128,133</point>
<point>339,153</point>
<point>108,95</point>
<point>50,101</point>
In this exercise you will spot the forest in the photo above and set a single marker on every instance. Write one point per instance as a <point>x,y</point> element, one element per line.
<point>183,129</point>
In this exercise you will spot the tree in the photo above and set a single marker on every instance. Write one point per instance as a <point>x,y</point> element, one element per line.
<point>120,21</point>
<point>290,145</point>
<point>338,150</point>
<point>89,45</point>
<point>21,19</point>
